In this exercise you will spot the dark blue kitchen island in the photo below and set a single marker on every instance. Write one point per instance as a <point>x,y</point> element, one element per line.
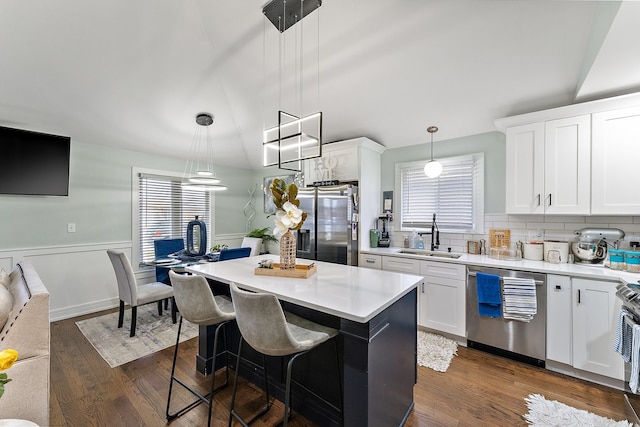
<point>375,312</point>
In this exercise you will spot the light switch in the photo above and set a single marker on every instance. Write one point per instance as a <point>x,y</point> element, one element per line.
<point>71,227</point>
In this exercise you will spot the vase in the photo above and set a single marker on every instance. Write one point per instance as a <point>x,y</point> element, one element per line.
<point>287,251</point>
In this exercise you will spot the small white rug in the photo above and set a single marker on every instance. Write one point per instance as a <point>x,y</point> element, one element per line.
<point>551,413</point>
<point>153,333</point>
<point>435,351</point>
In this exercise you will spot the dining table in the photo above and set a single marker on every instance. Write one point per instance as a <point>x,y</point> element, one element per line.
<point>375,313</point>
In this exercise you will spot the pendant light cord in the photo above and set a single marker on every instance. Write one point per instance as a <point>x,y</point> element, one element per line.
<point>432,146</point>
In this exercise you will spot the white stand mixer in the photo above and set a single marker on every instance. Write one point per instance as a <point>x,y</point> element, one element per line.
<point>593,244</point>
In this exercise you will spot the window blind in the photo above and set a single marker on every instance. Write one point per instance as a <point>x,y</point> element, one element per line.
<point>451,196</point>
<point>165,209</point>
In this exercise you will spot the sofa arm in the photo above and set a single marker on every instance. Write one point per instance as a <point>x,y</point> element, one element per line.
<point>27,330</point>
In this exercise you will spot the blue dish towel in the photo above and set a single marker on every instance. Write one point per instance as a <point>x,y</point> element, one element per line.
<point>489,295</point>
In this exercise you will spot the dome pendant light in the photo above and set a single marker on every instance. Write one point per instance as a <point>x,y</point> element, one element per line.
<point>433,168</point>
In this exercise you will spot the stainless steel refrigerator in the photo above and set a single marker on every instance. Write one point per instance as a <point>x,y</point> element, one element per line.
<point>330,232</point>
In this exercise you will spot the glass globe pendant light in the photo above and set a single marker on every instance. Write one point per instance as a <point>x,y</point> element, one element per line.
<point>433,168</point>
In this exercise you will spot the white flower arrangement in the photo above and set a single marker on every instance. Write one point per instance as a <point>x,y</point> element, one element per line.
<point>289,216</point>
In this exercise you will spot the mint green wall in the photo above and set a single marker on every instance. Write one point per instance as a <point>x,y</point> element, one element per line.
<point>492,144</point>
<point>100,198</point>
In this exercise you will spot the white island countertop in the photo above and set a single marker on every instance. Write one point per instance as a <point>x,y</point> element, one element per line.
<point>352,293</point>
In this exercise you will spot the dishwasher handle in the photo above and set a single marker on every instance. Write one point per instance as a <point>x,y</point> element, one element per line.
<point>473,274</point>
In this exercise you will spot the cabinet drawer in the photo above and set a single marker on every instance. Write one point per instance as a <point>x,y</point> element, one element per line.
<point>402,265</point>
<point>443,269</point>
<point>370,261</point>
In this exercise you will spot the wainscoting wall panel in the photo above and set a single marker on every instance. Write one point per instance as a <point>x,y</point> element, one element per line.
<point>80,278</point>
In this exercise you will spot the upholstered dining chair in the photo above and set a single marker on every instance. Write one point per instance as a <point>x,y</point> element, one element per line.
<point>271,331</point>
<point>252,242</point>
<point>233,253</point>
<point>135,295</point>
<point>198,305</point>
<point>162,248</point>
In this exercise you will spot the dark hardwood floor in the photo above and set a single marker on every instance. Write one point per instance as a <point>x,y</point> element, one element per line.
<point>478,389</point>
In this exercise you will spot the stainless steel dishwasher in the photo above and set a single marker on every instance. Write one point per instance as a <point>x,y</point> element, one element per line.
<point>524,341</point>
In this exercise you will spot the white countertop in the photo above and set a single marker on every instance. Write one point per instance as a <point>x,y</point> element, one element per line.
<point>353,293</point>
<point>598,272</point>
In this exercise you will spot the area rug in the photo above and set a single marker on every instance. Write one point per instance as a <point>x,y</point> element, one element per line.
<point>435,351</point>
<point>551,413</point>
<point>153,333</point>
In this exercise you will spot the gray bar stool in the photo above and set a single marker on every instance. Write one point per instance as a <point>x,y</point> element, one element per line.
<point>198,305</point>
<point>271,331</point>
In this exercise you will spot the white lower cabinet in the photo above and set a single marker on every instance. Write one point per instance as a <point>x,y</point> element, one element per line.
<point>581,325</point>
<point>401,265</point>
<point>370,261</point>
<point>442,297</point>
<point>559,321</point>
<point>595,313</point>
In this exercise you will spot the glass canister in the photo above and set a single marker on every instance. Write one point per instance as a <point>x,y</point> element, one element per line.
<point>616,259</point>
<point>632,260</point>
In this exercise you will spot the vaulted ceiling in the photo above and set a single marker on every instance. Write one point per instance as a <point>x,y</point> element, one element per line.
<point>134,73</point>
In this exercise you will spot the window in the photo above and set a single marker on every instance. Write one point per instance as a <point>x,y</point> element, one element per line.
<point>165,209</point>
<point>456,196</point>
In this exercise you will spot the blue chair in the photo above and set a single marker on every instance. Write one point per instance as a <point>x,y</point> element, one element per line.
<point>163,248</point>
<point>233,253</point>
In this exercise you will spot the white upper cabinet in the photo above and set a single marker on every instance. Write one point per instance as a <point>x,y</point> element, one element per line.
<point>336,164</point>
<point>525,168</point>
<point>548,167</point>
<point>616,158</point>
<point>578,159</point>
<point>567,159</point>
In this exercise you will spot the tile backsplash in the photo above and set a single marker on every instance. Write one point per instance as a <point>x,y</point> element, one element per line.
<point>554,228</point>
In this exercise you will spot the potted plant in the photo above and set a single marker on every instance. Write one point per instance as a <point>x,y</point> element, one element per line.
<point>219,247</point>
<point>262,237</point>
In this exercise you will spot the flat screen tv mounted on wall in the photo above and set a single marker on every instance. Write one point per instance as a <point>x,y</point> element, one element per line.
<point>34,163</point>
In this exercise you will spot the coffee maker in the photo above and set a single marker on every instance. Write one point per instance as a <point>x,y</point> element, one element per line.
<point>384,241</point>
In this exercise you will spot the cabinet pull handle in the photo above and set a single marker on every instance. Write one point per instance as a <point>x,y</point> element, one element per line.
<point>578,296</point>
<point>558,287</point>
<point>423,287</point>
<point>549,199</point>
<point>538,199</point>
<point>370,261</point>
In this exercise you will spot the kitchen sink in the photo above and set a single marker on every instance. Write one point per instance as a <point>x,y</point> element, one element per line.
<point>430,253</point>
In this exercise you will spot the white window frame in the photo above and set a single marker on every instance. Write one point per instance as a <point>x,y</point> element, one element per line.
<point>477,194</point>
<point>135,214</point>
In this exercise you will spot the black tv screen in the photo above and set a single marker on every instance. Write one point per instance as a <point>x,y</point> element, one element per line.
<point>34,163</point>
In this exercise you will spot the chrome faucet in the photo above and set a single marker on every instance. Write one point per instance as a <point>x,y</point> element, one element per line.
<point>435,234</point>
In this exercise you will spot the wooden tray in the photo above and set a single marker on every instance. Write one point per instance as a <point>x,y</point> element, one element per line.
<point>302,271</point>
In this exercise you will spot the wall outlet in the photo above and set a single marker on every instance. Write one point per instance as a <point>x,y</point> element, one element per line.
<point>71,227</point>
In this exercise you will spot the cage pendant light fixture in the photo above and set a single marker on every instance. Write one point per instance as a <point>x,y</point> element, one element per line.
<point>433,168</point>
<point>296,136</point>
<point>199,173</point>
